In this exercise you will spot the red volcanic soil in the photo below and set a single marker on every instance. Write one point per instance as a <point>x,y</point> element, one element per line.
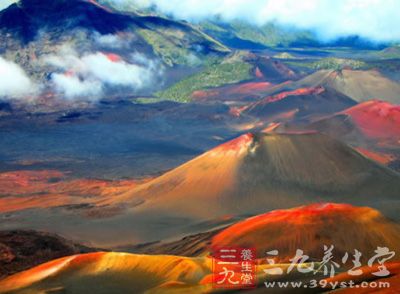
<point>248,88</point>
<point>82,259</point>
<point>113,57</point>
<point>310,228</point>
<point>48,188</point>
<point>235,144</point>
<point>380,157</point>
<point>258,73</point>
<point>297,92</point>
<point>377,119</point>
<point>15,182</point>
<point>51,268</point>
<point>233,91</point>
<point>236,111</point>
<point>203,95</point>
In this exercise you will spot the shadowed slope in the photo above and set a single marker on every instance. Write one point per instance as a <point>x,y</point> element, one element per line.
<point>359,85</point>
<point>274,70</point>
<point>303,102</point>
<point>20,250</point>
<point>23,21</point>
<point>25,18</point>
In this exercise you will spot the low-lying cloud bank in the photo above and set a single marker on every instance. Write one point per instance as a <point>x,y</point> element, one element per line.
<point>87,76</point>
<point>77,77</point>
<point>111,41</point>
<point>376,20</point>
<point>14,82</point>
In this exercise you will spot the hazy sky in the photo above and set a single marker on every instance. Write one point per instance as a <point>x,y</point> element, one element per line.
<point>377,20</point>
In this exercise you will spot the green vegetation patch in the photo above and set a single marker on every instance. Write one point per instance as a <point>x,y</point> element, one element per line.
<point>174,46</point>
<point>269,35</point>
<point>212,76</point>
<point>331,63</point>
<point>165,48</point>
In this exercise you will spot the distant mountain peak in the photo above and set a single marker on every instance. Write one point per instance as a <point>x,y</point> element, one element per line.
<point>48,5</point>
<point>27,17</point>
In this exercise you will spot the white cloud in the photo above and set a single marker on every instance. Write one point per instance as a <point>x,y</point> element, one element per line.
<point>14,82</point>
<point>118,73</point>
<point>6,3</point>
<point>377,20</point>
<point>88,75</point>
<point>74,87</point>
<point>111,41</point>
